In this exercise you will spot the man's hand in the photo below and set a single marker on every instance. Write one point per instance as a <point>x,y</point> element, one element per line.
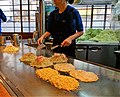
<point>40,40</point>
<point>69,40</point>
<point>66,42</point>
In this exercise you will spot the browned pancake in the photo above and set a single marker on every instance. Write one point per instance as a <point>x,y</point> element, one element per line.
<point>11,49</point>
<point>41,61</point>
<point>64,82</point>
<point>64,67</point>
<point>46,73</point>
<point>84,76</point>
<point>28,58</point>
<point>59,58</point>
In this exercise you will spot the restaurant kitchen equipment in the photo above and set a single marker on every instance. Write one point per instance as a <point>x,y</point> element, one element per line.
<point>3,40</point>
<point>16,39</point>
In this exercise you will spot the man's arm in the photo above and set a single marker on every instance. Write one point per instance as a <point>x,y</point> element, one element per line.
<point>45,35</point>
<point>76,35</point>
<point>69,40</point>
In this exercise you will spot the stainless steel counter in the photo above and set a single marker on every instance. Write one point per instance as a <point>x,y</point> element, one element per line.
<point>24,79</point>
<point>93,43</point>
<point>99,52</point>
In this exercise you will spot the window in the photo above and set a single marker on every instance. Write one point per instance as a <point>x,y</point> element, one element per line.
<point>95,16</point>
<point>20,15</point>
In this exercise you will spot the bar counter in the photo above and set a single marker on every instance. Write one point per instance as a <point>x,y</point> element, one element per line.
<point>23,82</point>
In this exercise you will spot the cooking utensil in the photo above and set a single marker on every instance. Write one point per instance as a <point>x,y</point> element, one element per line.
<point>41,46</point>
<point>33,40</point>
<point>54,47</point>
<point>29,41</point>
<point>48,45</point>
<point>3,40</point>
<point>16,39</point>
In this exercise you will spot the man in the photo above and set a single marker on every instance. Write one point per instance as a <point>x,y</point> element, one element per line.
<point>65,25</point>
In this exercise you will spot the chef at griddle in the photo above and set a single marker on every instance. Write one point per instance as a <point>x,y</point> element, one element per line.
<point>64,25</point>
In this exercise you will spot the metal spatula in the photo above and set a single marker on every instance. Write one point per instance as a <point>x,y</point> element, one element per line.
<point>54,47</point>
<point>41,46</point>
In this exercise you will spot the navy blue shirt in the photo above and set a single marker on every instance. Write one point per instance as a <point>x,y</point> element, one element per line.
<point>2,17</point>
<point>62,25</point>
<point>72,18</point>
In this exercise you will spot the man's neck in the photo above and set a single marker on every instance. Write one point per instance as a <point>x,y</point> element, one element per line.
<point>62,7</point>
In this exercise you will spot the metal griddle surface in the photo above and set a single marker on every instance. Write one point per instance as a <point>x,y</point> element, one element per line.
<point>23,77</point>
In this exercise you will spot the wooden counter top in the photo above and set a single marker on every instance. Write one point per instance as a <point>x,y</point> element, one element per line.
<point>3,91</point>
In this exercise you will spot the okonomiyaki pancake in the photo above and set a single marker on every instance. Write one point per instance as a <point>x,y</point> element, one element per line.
<point>46,73</point>
<point>64,82</point>
<point>84,76</point>
<point>28,58</point>
<point>64,67</point>
<point>41,62</point>
<point>59,58</point>
<point>11,49</point>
